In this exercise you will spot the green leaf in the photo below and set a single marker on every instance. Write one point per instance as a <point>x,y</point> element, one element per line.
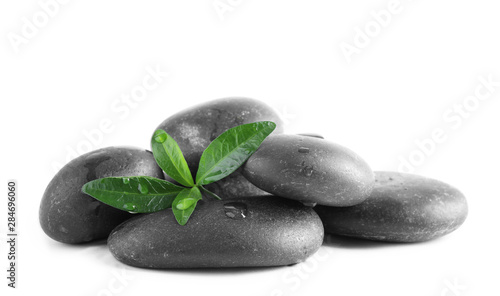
<point>134,194</point>
<point>230,150</point>
<point>184,204</point>
<point>169,157</point>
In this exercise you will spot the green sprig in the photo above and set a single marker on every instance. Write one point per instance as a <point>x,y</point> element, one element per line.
<point>143,194</point>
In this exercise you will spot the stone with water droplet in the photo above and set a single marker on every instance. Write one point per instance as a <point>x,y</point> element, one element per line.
<point>236,210</point>
<point>309,169</point>
<point>401,208</point>
<point>249,232</point>
<point>84,217</point>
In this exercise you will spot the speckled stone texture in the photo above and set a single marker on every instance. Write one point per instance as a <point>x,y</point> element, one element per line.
<point>248,232</point>
<point>195,128</point>
<point>67,215</point>
<point>401,208</point>
<point>311,170</point>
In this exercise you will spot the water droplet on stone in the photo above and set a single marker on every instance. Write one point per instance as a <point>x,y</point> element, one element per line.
<point>88,238</point>
<point>310,204</point>
<point>307,170</point>
<point>160,136</point>
<point>63,229</point>
<point>303,150</point>
<point>143,188</point>
<point>312,135</point>
<point>126,180</point>
<point>236,210</point>
<point>95,207</point>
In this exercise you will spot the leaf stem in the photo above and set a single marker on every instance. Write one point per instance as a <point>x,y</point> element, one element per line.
<point>209,192</point>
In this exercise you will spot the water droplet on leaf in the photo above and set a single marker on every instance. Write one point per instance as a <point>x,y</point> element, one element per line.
<point>160,136</point>
<point>129,207</point>
<point>126,180</point>
<point>236,210</point>
<point>185,203</point>
<point>143,188</point>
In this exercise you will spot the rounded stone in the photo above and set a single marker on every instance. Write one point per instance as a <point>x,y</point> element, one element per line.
<point>401,208</point>
<point>195,128</point>
<point>67,215</point>
<point>309,169</point>
<point>246,232</point>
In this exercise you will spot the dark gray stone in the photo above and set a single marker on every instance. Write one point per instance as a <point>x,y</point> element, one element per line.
<point>310,170</point>
<point>256,231</point>
<point>401,208</point>
<point>195,128</point>
<point>67,215</point>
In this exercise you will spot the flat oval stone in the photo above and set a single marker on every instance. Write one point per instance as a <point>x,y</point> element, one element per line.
<point>247,232</point>
<point>311,170</point>
<point>196,127</point>
<point>401,208</point>
<point>67,215</point>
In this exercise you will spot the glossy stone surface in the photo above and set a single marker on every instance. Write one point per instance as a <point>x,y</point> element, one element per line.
<point>67,215</point>
<point>401,208</point>
<point>311,170</point>
<point>247,232</point>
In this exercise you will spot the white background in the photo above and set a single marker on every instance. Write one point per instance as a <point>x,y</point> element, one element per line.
<point>401,85</point>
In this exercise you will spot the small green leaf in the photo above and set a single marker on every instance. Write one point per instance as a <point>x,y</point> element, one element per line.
<point>134,194</point>
<point>169,157</point>
<point>230,150</point>
<point>184,204</point>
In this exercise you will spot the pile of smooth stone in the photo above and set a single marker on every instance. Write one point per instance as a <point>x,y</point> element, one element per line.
<point>274,211</point>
